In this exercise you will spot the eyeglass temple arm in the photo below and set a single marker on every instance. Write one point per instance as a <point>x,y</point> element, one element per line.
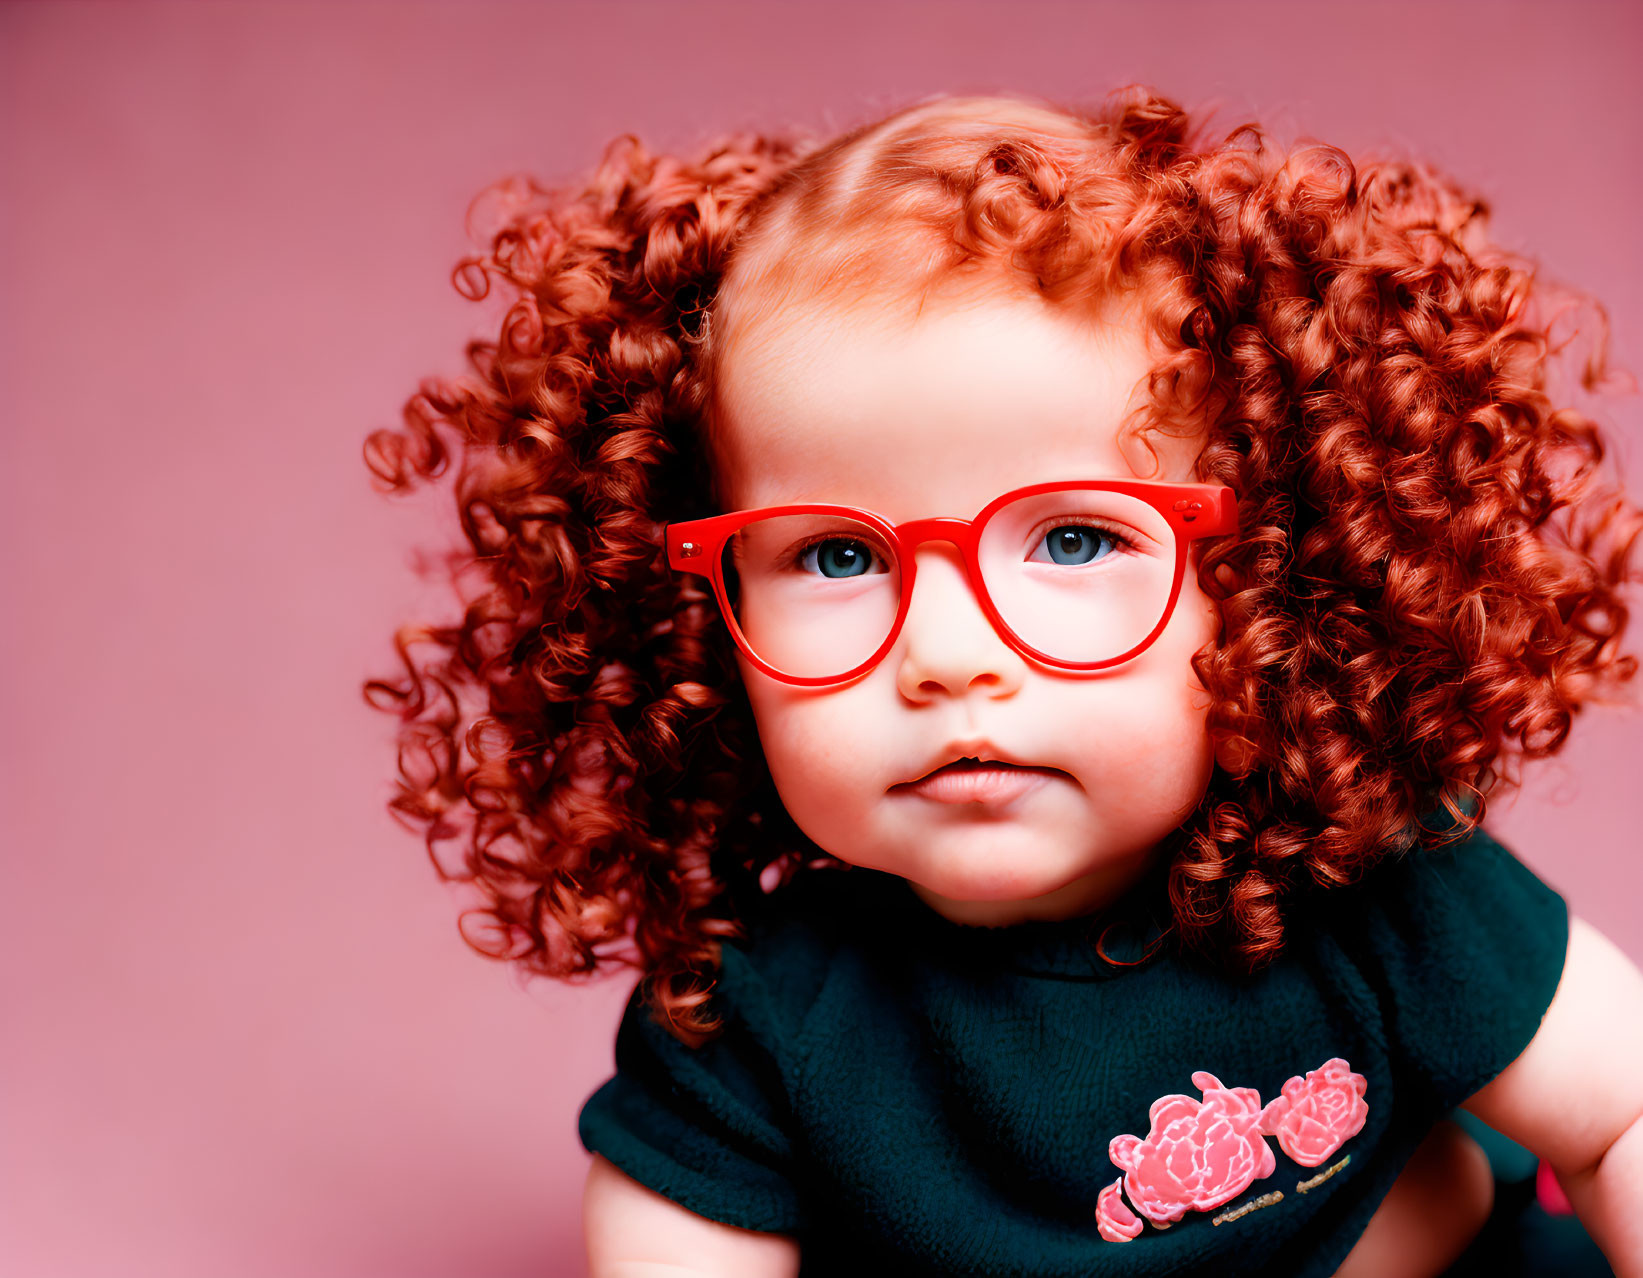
<point>1218,518</point>
<point>686,553</point>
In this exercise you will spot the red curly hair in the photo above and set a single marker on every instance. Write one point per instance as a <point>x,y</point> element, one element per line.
<point>1426,585</point>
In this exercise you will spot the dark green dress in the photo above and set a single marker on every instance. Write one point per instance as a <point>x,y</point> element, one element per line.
<point>910,1095</point>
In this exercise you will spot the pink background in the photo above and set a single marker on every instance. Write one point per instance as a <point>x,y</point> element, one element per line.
<point>241,1033</point>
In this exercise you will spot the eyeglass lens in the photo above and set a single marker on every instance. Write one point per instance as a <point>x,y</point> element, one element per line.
<point>1079,575</point>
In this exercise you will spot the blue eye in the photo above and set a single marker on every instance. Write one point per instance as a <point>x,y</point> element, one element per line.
<point>1076,543</point>
<point>836,557</point>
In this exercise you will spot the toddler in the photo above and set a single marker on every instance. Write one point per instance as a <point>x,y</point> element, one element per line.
<point>1008,618</point>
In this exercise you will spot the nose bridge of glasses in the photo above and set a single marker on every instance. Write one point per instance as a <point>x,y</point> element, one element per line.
<point>956,532</point>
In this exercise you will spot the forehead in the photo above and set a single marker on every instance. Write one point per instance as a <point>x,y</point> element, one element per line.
<point>932,412</point>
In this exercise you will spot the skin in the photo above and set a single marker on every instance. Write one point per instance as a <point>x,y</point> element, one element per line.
<point>933,415</point>
<point>930,418</point>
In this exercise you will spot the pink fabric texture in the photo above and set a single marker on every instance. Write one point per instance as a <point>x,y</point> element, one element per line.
<point>1317,1114</point>
<point>1200,1154</point>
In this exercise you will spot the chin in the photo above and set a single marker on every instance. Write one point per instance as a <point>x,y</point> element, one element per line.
<point>991,884</point>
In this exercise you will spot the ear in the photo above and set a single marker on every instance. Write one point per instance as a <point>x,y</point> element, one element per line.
<point>1226,578</point>
<point>1235,755</point>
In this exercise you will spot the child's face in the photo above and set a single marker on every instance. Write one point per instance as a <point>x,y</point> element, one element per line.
<point>937,416</point>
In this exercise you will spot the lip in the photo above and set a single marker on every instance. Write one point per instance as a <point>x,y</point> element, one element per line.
<point>981,748</point>
<point>987,785</point>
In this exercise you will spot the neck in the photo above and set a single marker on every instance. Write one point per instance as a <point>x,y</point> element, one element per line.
<point>1084,895</point>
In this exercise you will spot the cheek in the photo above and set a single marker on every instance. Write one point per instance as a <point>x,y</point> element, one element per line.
<point>813,746</point>
<point>1195,625</point>
<point>1188,726</point>
<point>1155,739</point>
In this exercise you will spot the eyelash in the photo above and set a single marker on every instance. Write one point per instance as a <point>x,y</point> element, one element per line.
<point>1121,542</point>
<point>795,556</point>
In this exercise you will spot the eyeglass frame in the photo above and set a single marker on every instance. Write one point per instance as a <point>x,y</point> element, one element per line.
<point>1192,511</point>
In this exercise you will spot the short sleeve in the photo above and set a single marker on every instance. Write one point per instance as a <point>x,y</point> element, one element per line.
<point>706,1127</point>
<point>1470,945</point>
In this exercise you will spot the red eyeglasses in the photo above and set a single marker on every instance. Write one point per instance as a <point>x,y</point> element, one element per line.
<point>816,594</point>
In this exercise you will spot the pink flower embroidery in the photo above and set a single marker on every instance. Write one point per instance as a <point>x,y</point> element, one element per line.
<point>1113,1217</point>
<point>1199,1154</point>
<point>1318,1113</point>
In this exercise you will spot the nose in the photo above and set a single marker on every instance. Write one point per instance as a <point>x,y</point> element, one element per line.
<point>947,643</point>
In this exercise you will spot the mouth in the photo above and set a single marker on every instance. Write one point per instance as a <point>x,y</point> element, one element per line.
<point>985,781</point>
<point>981,765</point>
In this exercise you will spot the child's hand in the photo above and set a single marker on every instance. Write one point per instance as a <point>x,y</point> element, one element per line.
<point>1575,1094</point>
<point>631,1231</point>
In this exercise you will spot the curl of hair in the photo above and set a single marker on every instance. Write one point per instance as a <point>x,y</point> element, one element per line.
<point>1426,586</point>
